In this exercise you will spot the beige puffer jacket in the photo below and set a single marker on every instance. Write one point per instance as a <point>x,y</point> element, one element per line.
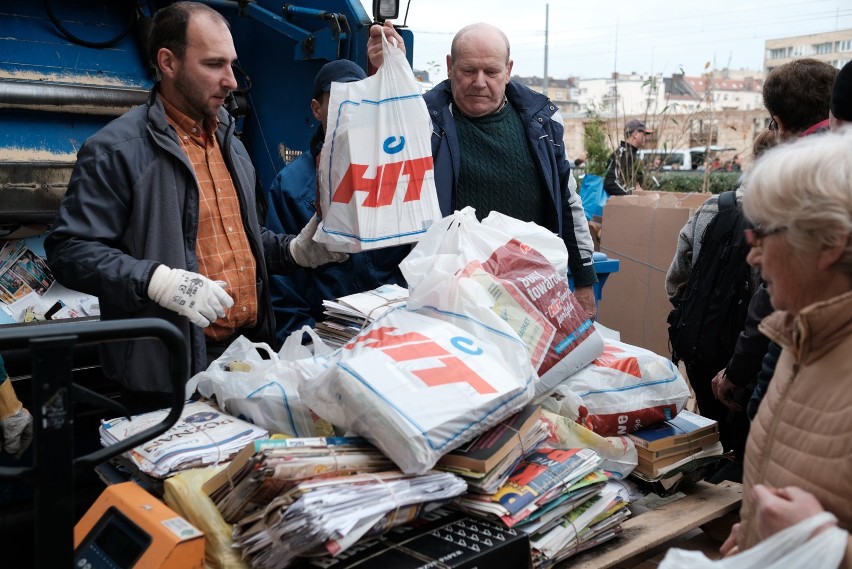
<point>802,434</point>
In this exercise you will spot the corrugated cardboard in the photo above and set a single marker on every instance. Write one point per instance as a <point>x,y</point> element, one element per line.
<point>641,231</point>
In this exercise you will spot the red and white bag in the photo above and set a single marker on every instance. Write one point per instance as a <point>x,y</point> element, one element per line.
<point>418,387</point>
<point>375,178</point>
<point>465,269</point>
<point>628,388</point>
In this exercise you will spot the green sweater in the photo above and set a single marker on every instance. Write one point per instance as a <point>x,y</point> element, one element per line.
<point>498,170</point>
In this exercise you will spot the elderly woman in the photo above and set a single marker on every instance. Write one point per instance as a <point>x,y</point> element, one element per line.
<point>798,459</point>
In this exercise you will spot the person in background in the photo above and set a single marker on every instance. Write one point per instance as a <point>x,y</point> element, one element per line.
<point>798,98</point>
<point>497,145</point>
<point>16,423</point>
<point>734,428</point>
<point>840,113</point>
<point>297,297</point>
<point>799,201</point>
<point>624,171</point>
<point>159,218</point>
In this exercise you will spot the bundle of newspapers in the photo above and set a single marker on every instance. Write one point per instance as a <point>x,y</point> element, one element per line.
<point>348,315</point>
<point>289,498</point>
<point>203,435</point>
<point>328,515</point>
<point>267,468</point>
<point>560,498</point>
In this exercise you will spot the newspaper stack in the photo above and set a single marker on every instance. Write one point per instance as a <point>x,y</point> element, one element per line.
<point>487,461</point>
<point>348,315</point>
<point>543,476</point>
<point>203,435</point>
<point>266,468</point>
<point>560,534</point>
<point>328,515</point>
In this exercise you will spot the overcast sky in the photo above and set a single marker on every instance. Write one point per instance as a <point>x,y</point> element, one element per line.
<point>594,37</point>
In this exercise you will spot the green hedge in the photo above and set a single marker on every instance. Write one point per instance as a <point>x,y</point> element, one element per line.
<point>691,181</point>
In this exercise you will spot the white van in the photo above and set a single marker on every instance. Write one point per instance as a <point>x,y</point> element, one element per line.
<point>686,159</point>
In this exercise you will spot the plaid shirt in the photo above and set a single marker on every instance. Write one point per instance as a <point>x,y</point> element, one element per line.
<point>222,246</point>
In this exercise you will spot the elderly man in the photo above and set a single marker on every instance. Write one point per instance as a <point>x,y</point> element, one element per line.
<point>497,146</point>
<point>624,171</point>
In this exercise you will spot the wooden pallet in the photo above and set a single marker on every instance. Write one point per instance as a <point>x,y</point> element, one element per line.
<point>703,503</point>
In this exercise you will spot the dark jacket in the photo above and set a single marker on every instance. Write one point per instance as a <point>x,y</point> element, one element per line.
<point>623,170</point>
<point>545,135</point>
<point>297,297</point>
<point>745,363</point>
<point>131,205</point>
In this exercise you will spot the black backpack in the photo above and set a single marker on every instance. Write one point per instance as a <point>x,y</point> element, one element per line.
<point>704,327</point>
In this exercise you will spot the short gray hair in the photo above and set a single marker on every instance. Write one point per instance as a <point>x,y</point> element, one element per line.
<point>806,187</point>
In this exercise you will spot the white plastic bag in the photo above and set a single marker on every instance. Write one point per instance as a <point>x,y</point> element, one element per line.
<point>466,269</point>
<point>267,392</point>
<point>376,180</point>
<point>628,388</point>
<point>787,549</point>
<point>418,387</point>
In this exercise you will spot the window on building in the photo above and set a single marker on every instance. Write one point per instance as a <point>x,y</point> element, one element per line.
<point>823,48</point>
<point>778,53</point>
<point>798,50</point>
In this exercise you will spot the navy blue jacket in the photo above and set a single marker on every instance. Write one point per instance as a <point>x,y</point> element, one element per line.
<point>545,134</point>
<point>297,297</point>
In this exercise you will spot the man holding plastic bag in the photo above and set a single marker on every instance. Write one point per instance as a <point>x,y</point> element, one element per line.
<point>297,296</point>
<point>497,145</point>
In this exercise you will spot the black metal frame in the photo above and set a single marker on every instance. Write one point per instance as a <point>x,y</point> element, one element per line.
<point>54,465</point>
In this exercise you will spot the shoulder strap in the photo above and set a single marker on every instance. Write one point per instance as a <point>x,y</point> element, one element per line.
<point>727,200</point>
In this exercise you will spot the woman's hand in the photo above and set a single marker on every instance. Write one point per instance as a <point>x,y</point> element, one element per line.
<point>779,508</point>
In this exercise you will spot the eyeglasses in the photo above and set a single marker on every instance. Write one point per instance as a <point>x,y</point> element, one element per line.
<point>773,126</point>
<point>755,236</point>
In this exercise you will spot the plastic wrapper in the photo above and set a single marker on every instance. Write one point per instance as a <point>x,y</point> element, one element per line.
<point>375,177</point>
<point>511,276</point>
<point>183,494</point>
<point>628,388</point>
<point>418,387</point>
<point>618,453</point>
<point>265,391</point>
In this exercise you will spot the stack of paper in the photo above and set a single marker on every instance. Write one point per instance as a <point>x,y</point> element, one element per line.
<point>543,476</point>
<point>203,435</point>
<point>593,521</point>
<point>348,315</point>
<point>328,515</point>
<point>265,469</point>
<point>667,446</point>
<point>487,461</point>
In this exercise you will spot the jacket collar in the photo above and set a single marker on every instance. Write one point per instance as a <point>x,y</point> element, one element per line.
<point>816,330</point>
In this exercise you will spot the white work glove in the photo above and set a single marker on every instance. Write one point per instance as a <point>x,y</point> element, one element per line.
<point>16,423</point>
<point>192,295</point>
<point>17,432</point>
<point>308,253</point>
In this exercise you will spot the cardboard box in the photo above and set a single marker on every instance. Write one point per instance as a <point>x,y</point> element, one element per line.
<point>442,538</point>
<point>641,231</point>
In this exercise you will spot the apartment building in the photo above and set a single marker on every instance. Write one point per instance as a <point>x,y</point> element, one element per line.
<point>834,48</point>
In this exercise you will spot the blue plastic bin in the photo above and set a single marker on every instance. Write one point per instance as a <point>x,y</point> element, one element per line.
<point>604,266</point>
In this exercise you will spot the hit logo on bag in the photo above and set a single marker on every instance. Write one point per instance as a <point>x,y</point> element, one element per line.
<point>376,182</point>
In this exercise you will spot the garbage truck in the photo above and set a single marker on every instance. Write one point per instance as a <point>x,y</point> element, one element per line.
<point>67,68</point>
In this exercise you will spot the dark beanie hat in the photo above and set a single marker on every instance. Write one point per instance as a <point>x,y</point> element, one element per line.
<point>841,94</point>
